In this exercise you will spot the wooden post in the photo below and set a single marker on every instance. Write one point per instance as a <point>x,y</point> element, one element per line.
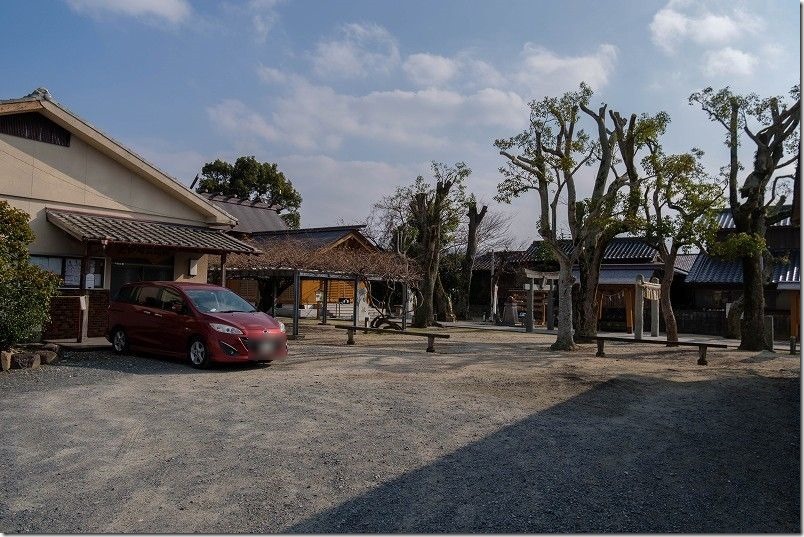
<point>654,313</point>
<point>629,310</point>
<point>600,350</point>
<point>639,307</point>
<point>350,336</point>
<point>529,308</point>
<point>492,294</point>
<point>794,314</point>
<point>223,269</point>
<point>405,307</point>
<point>600,306</point>
<point>551,317</point>
<point>324,302</point>
<point>84,298</point>
<point>702,355</point>
<point>273,296</point>
<point>430,344</point>
<point>296,301</point>
<point>354,305</point>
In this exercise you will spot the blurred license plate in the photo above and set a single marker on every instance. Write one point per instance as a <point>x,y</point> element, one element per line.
<point>266,347</point>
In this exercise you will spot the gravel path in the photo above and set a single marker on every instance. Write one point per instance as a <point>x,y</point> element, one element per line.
<point>493,433</point>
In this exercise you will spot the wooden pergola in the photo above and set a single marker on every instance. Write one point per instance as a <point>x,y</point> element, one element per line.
<point>297,259</point>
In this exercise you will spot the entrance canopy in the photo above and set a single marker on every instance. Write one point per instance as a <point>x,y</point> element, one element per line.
<point>87,227</point>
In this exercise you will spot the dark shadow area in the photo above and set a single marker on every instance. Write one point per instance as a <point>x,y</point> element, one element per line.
<point>146,363</point>
<point>630,455</point>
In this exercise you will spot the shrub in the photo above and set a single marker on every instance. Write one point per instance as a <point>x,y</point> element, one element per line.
<point>25,289</point>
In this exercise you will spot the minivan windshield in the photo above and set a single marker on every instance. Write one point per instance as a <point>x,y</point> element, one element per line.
<point>218,301</point>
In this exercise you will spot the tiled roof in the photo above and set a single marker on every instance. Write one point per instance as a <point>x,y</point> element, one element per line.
<point>622,275</point>
<point>252,216</point>
<point>711,271</point>
<point>314,237</point>
<point>621,249</point>
<point>684,262</point>
<point>725,220</point>
<point>505,257</point>
<point>627,248</point>
<point>94,227</point>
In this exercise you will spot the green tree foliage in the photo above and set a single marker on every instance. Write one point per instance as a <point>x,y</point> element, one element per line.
<point>680,210</point>
<point>250,179</point>
<point>25,289</point>
<point>770,127</point>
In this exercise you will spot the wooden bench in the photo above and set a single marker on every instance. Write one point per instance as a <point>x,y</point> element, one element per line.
<point>701,345</point>
<point>350,334</point>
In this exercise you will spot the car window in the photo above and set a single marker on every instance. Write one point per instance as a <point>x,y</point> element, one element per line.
<point>149,296</point>
<point>169,298</point>
<point>218,301</point>
<point>126,294</point>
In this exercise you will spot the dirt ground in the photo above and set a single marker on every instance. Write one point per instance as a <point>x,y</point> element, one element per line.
<point>494,432</point>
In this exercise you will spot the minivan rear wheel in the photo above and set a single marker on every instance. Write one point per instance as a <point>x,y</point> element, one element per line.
<point>198,354</point>
<point>119,341</point>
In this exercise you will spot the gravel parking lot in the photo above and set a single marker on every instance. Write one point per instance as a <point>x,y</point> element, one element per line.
<point>493,433</point>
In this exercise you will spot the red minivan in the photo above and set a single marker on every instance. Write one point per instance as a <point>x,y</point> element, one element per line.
<point>204,323</point>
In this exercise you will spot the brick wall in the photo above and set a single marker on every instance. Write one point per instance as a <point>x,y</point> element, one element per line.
<point>64,319</point>
<point>65,314</point>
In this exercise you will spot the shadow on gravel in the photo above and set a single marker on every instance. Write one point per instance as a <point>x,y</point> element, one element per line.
<point>630,455</point>
<point>146,364</point>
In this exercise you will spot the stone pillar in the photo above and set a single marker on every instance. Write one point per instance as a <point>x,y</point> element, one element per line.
<point>639,307</point>
<point>529,311</point>
<point>654,313</point>
<point>551,318</point>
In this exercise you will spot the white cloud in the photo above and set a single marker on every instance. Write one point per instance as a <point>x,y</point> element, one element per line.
<point>342,189</point>
<point>171,11</point>
<point>263,17</point>
<point>545,72</point>
<point>235,117</point>
<point>269,75</point>
<point>680,22</point>
<point>363,49</point>
<point>430,69</point>
<point>729,61</point>
<point>668,28</point>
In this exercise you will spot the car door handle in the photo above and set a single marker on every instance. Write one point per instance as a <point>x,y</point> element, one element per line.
<point>157,314</point>
<point>146,312</point>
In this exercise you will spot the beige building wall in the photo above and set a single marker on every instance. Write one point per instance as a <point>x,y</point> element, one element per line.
<point>36,175</point>
<point>181,267</point>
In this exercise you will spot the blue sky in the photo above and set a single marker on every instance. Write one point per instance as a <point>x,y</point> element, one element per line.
<point>353,98</point>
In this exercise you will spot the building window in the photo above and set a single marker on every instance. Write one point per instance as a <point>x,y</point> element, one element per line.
<point>69,270</point>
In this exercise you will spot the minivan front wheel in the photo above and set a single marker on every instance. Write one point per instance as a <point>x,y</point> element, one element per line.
<point>119,341</point>
<point>198,354</point>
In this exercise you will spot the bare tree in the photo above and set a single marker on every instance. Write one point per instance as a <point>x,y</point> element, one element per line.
<point>434,216</point>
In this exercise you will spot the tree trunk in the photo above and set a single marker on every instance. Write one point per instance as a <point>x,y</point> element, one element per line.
<point>588,299</point>
<point>475,218</point>
<point>443,301</point>
<point>564,340</point>
<point>753,325</point>
<point>734,319</point>
<point>423,316</point>
<point>670,325</point>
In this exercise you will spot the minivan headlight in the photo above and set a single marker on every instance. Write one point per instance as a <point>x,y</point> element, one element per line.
<point>282,327</point>
<point>226,328</point>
